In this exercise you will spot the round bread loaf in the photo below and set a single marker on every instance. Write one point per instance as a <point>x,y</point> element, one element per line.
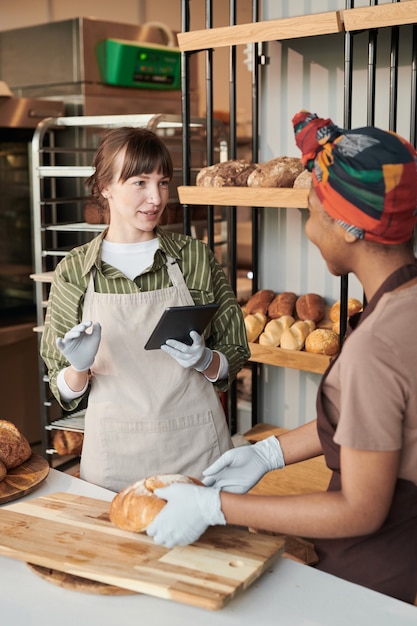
<point>279,172</point>
<point>3,470</point>
<point>232,173</point>
<point>303,180</point>
<point>260,301</point>
<point>136,506</point>
<point>310,306</point>
<point>282,304</point>
<point>322,341</point>
<point>353,306</point>
<point>14,447</point>
<point>68,442</point>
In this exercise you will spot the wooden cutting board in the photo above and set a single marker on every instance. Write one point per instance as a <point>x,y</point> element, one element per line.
<point>73,534</point>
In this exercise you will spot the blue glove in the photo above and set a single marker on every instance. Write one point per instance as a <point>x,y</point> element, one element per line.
<point>239,469</point>
<point>197,355</point>
<point>189,511</point>
<point>79,347</point>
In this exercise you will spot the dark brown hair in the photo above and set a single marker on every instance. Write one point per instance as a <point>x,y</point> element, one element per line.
<point>145,153</point>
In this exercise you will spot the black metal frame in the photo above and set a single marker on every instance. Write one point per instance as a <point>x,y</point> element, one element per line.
<point>258,60</point>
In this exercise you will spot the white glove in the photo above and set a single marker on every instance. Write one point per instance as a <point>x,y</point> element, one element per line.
<point>239,469</point>
<point>79,347</point>
<point>189,511</point>
<point>197,355</point>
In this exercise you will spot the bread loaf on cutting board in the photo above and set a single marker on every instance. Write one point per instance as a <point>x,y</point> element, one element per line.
<point>136,506</point>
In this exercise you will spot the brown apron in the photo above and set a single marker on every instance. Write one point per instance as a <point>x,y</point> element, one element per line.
<point>146,414</point>
<point>386,560</point>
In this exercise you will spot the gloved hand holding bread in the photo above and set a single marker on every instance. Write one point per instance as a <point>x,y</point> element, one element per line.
<point>172,508</point>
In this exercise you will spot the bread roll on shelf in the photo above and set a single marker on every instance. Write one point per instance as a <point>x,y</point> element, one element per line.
<point>254,324</point>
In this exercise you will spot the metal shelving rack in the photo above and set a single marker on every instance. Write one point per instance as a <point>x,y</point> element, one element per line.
<point>348,23</point>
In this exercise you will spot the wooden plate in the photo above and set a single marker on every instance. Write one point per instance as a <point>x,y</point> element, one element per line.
<point>23,479</point>
<point>77,583</point>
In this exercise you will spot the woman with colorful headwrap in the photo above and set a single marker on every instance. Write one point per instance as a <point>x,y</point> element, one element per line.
<point>362,214</point>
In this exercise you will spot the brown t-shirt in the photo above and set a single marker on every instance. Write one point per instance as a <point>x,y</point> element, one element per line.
<point>370,393</point>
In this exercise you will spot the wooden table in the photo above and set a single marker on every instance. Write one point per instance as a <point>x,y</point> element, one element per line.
<point>305,477</point>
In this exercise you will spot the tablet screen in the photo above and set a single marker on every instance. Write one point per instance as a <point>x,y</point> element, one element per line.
<point>177,322</point>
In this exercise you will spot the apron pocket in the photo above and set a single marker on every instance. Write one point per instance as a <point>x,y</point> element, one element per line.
<point>136,449</point>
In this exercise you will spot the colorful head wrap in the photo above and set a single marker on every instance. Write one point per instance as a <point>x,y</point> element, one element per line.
<point>365,178</point>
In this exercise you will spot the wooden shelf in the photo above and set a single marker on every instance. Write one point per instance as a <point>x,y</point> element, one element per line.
<point>294,359</point>
<point>244,196</point>
<point>269,30</point>
<point>376,16</point>
<point>379,16</point>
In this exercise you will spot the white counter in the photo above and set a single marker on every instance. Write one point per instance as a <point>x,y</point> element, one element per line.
<point>289,594</point>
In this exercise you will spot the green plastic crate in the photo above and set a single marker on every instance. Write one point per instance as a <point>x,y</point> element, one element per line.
<point>138,64</point>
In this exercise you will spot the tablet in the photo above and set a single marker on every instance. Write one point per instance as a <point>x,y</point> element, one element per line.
<point>177,322</point>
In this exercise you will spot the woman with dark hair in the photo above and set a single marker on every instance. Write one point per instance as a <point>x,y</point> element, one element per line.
<point>148,412</point>
<point>362,214</point>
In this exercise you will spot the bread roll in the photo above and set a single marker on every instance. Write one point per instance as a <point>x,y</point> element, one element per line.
<point>136,506</point>
<point>303,180</point>
<point>259,302</point>
<point>282,304</point>
<point>310,307</point>
<point>254,324</point>
<point>294,337</point>
<point>68,442</point>
<point>232,173</point>
<point>353,306</point>
<point>279,172</point>
<point>3,470</point>
<point>14,447</point>
<point>322,341</point>
<point>273,330</point>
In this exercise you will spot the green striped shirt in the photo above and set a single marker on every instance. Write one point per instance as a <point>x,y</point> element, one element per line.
<point>203,275</point>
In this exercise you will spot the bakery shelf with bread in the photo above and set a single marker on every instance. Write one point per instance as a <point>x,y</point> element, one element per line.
<point>298,332</point>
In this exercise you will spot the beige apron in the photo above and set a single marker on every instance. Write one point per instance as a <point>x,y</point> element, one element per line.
<point>146,414</point>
